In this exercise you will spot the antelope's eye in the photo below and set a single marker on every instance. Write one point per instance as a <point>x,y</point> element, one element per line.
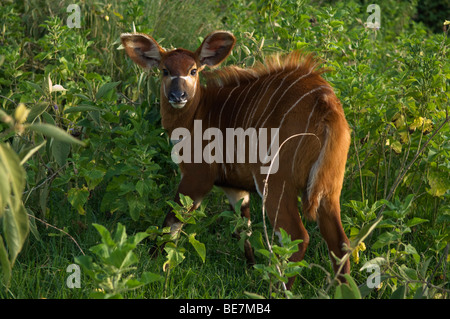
<point>165,72</point>
<point>193,72</point>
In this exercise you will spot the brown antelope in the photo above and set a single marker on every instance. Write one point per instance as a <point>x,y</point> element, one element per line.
<point>287,93</point>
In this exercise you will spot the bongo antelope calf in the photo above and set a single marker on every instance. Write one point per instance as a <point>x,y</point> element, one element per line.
<point>286,93</point>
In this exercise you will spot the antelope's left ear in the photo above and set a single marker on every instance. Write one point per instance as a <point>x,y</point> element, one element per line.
<point>215,48</point>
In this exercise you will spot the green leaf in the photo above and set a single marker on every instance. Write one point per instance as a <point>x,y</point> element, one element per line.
<point>60,151</point>
<point>386,238</point>
<point>175,256</point>
<point>78,197</point>
<point>399,293</point>
<point>135,205</point>
<point>16,228</point>
<point>105,234</point>
<point>4,261</point>
<point>81,108</point>
<point>439,183</point>
<point>93,176</point>
<point>105,89</point>
<point>416,221</point>
<point>5,189</point>
<point>36,111</point>
<point>397,147</point>
<point>36,87</point>
<point>199,247</point>
<point>55,132</point>
<point>120,235</point>
<point>149,277</point>
<point>14,172</point>
<point>347,291</point>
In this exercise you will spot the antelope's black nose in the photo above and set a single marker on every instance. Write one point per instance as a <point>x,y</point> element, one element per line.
<point>177,96</point>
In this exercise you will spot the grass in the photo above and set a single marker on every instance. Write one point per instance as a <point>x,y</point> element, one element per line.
<point>40,271</point>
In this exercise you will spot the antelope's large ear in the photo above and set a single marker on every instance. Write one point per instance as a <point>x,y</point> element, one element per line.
<point>142,49</point>
<point>215,48</point>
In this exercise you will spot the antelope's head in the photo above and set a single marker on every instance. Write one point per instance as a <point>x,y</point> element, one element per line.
<point>179,68</point>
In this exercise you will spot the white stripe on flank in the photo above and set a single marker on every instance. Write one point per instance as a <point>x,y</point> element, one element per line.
<point>273,94</point>
<point>292,84</point>
<point>236,103</point>
<point>258,101</point>
<point>240,106</point>
<point>224,104</point>
<point>285,114</point>
<point>303,136</point>
<point>211,109</point>
<point>250,104</point>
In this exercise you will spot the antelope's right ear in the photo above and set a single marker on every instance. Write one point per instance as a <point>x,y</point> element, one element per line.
<point>142,49</point>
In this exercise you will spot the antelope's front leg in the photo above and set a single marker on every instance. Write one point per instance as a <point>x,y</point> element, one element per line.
<point>196,185</point>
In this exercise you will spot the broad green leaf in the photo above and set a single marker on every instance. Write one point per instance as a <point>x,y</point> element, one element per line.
<point>120,235</point>
<point>105,234</point>
<point>16,174</point>
<point>149,277</point>
<point>122,258</point>
<point>94,176</point>
<point>136,239</point>
<point>175,256</point>
<point>81,108</point>
<point>36,111</point>
<point>4,261</point>
<point>55,132</point>
<point>135,205</point>
<point>78,197</point>
<point>60,151</point>
<point>105,89</point>
<point>386,238</point>
<point>416,221</point>
<point>399,293</point>
<point>36,87</point>
<point>199,247</point>
<point>439,183</point>
<point>347,291</point>
<point>397,147</point>
<point>5,189</point>
<point>16,228</point>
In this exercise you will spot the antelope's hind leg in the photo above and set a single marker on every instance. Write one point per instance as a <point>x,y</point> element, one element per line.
<point>282,209</point>
<point>329,220</point>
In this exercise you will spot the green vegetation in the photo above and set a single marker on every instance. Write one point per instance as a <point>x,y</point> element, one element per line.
<point>86,175</point>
